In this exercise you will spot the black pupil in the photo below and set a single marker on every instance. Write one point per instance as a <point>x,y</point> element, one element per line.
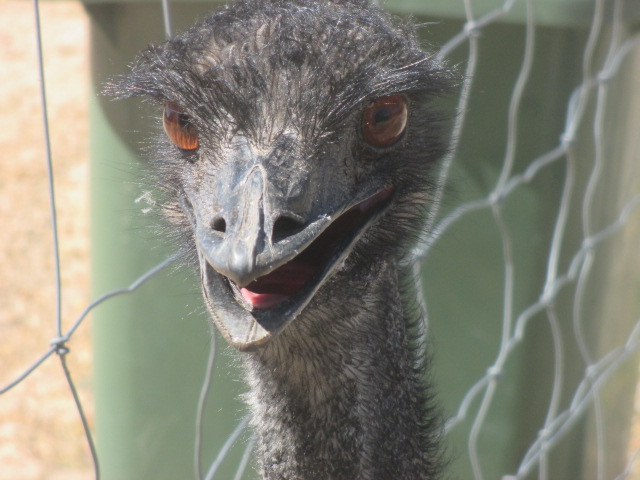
<point>381,116</point>
<point>184,121</point>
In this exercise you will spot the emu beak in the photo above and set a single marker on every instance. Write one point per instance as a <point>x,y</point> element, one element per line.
<point>255,279</point>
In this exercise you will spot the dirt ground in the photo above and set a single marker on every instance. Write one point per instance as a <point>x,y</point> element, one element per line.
<point>40,433</point>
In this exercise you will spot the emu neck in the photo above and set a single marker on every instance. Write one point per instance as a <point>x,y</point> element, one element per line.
<point>338,396</point>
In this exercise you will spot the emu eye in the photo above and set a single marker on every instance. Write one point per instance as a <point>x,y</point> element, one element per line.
<point>384,121</point>
<point>179,128</point>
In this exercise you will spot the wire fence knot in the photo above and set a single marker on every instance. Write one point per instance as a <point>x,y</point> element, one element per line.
<point>591,373</point>
<point>544,435</point>
<point>494,372</point>
<point>567,139</point>
<point>604,76</point>
<point>60,345</point>
<point>472,29</point>
<point>497,197</point>
<point>589,244</point>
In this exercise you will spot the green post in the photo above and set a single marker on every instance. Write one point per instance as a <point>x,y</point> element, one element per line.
<point>151,347</point>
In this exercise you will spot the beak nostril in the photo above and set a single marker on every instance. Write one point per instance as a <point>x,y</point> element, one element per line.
<point>286,226</point>
<point>219,225</point>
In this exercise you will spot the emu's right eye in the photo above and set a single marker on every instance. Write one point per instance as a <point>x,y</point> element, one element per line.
<point>179,128</point>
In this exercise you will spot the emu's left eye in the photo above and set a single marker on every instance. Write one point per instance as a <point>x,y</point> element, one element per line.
<point>384,121</point>
<point>178,127</point>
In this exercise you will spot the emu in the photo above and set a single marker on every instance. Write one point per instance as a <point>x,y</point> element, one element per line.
<point>297,165</point>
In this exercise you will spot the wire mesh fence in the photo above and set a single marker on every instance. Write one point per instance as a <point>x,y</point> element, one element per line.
<point>34,416</point>
<point>537,231</point>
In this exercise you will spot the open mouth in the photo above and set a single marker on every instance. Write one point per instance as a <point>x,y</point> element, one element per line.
<point>301,273</point>
<point>249,315</point>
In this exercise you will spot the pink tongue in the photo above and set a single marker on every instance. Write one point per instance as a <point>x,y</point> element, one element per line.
<point>272,289</point>
<point>262,301</point>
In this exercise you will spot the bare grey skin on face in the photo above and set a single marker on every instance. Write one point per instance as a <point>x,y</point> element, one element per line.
<point>297,162</point>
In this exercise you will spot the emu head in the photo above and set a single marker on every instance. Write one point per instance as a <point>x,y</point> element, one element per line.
<point>298,147</point>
